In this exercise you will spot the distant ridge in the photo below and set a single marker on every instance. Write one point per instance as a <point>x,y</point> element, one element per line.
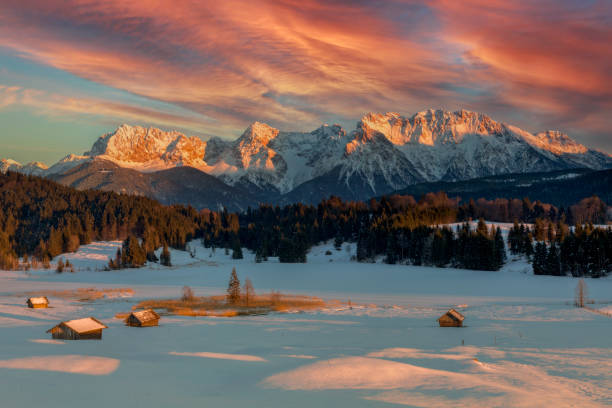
<point>385,153</point>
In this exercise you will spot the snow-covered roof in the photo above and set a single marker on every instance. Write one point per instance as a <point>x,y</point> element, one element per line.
<point>145,315</point>
<point>42,300</point>
<point>85,325</point>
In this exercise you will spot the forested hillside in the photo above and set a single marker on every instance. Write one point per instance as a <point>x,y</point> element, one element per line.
<point>41,219</point>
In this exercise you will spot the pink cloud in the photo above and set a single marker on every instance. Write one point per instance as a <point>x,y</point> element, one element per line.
<point>295,63</point>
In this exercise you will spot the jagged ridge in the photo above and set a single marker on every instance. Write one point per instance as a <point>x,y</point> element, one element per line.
<point>385,152</point>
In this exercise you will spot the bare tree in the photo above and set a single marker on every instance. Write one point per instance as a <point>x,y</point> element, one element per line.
<point>581,293</point>
<point>249,291</point>
<point>188,294</point>
<point>275,297</point>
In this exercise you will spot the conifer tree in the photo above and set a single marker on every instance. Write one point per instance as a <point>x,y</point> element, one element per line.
<point>500,249</point>
<point>233,288</point>
<point>552,265</point>
<point>164,257</point>
<point>539,259</point>
<point>236,250</point>
<point>132,254</point>
<point>338,242</point>
<point>60,266</point>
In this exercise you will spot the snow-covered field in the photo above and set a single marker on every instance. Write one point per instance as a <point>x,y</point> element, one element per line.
<point>524,344</point>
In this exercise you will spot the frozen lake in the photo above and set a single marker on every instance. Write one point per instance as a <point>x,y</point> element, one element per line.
<point>524,344</point>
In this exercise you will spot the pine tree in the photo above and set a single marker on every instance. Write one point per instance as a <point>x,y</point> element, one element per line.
<point>60,266</point>
<point>258,255</point>
<point>527,246</point>
<point>132,254</point>
<point>391,257</point>
<point>362,251</point>
<point>500,249</point>
<point>482,227</point>
<point>236,249</point>
<point>552,265</point>
<point>164,258</point>
<point>539,230</point>
<point>233,288</point>
<point>539,259</point>
<point>338,242</point>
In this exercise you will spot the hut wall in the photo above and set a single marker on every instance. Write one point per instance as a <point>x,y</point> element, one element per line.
<point>134,322</point>
<point>97,335</point>
<point>447,321</point>
<point>66,333</point>
<point>150,323</point>
<point>37,305</point>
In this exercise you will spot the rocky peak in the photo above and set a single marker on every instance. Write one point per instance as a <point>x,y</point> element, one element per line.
<point>558,143</point>
<point>258,133</point>
<point>136,144</point>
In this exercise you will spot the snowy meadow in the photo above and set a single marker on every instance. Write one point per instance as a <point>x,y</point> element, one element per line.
<point>524,344</point>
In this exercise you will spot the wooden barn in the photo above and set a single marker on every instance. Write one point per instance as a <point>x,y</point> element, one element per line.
<point>88,328</point>
<point>452,318</point>
<point>144,318</point>
<point>40,302</point>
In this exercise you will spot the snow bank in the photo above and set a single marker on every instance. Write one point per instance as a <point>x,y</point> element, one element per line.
<point>93,256</point>
<point>490,384</point>
<point>222,356</point>
<point>607,309</point>
<point>47,341</point>
<point>300,356</point>
<point>74,364</point>
<point>358,373</point>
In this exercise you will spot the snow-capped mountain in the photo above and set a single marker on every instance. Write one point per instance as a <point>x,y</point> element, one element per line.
<point>149,149</point>
<point>384,153</point>
<point>32,168</point>
<point>265,158</point>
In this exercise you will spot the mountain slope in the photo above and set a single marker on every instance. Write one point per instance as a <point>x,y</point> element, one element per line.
<point>560,188</point>
<point>180,185</point>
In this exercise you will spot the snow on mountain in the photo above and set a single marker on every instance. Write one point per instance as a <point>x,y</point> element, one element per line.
<point>461,145</point>
<point>149,149</point>
<point>32,168</point>
<point>263,157</point>
<point>68,162</point>
<point>9,165</point>
<point>384,153</point>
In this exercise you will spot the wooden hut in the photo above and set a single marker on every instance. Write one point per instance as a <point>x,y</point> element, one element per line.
<point>144,318</point>
<point>88,328</point>
<point>452,318</point>
<point>40,302</point>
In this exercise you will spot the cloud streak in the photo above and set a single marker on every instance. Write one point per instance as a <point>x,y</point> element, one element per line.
<point>295,64</point>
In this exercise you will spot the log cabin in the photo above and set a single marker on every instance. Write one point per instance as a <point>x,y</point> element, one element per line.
<point>452,318</point>
<point>88,328</point>
<point>144,318</point>
<point>40,302</point>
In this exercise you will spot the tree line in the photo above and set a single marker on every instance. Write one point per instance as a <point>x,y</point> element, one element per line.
<point>42,219</point>
<point>558,250</point>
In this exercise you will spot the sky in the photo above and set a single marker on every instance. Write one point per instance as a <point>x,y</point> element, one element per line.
<point>71,70</point>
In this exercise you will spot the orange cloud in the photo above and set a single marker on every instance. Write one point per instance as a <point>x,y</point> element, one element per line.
<point>297,63</point>
<point>243,57</point>
<point>549,56</point>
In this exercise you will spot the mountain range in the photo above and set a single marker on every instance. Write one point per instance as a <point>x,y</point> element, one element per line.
<point>385,153</point>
